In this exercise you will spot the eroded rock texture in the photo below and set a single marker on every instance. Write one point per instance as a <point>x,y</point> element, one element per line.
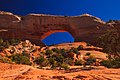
<point>35,26</point>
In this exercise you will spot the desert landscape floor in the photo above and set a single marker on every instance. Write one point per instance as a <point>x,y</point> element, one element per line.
<point>24,72</point>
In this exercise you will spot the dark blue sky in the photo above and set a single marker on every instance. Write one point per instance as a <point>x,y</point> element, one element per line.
<point>104,9</point>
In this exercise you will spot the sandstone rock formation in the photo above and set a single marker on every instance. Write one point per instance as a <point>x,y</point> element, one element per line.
<point>34,26</point>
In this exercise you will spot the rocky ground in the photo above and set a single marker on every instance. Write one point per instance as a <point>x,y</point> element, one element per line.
<point>24,72</point>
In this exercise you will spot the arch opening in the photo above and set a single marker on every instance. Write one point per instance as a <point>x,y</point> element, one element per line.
<point>57,37</point>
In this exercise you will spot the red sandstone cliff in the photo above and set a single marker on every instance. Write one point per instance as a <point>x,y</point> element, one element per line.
<point>34,26</point>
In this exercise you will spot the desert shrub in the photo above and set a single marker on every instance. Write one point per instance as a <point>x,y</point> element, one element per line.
<point>52,62</point>
<point>1,40</point>
<point>87,54</point>
<point>106,63</point>
<point>2,48</point>
<point>5,60</point>
<point>45,63</point>
<point>14,42</point>
<point>56,50</point>
<point>80,47</point>
<point>25,54</point>
<point>16,58</point>
<point>88,44</point>
<point>68,61</point>
<point>25,60</point>
<point>74,50</point>
<point>39,60</point>
<point>114,63</point>
<point>49,52</point>
<point>65,66</point>
<point>110,42</point>
<point>78,62</point>
<point>63,53</point>
<point>6,43</point>
<point>59,58</point>
<point>90,60</point>
<point>21,59</point>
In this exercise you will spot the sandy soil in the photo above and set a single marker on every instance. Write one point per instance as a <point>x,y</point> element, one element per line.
<point>24,72</point>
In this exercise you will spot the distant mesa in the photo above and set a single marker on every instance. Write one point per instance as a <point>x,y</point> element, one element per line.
<point>36,27</point>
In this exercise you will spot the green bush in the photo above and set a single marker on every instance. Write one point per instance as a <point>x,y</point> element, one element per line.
<point>39,60</point>
<point>14,42</point>
<point>68,61</point>
<point>49,52</point>
<point>51,60</point>
<point>110,42</point>
<point>45,63</point>
<point>74,50</point>
<point>59,58</point>
<point>106,63</point>
<point>114,63</point>
<point>64,53</point>
<point>80,47</point>
<point>25,60</point>
<point>88,44</point>
<point>2,48</point>
<point>1,41</point>
<point>87,54</point>
<point>6,43</point>
<point>90,61</point>
<point>5,60</point>
<point>78,62</point>
<point>65,66</point>
<point>56,50</point>
<point>21,59</point>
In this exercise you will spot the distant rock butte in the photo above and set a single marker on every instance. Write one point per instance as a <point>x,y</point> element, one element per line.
<point>34,26</point>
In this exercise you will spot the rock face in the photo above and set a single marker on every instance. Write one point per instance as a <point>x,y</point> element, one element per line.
<point>35,26</point>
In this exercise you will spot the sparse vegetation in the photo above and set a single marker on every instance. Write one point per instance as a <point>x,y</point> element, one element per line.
<point>41,61</point>
<point>54,58</point>
<point>21,53</point>
<point>65,66</point>
<point>110,42</point>
<point>21,59</point>
<point>5,59</point>
<point>6,43</point>
<point>74,50</point>
<point>114,63</point>
<point>80,47</point>
<point>88,54</point>
<point>78,62</point>
<point>90,60</point>
<point>88,44</point>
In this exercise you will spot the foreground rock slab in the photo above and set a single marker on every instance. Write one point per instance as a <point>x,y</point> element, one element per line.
<point>24,72</point>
